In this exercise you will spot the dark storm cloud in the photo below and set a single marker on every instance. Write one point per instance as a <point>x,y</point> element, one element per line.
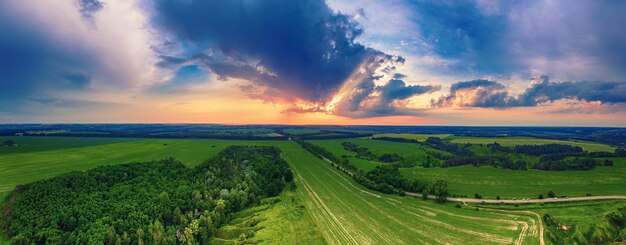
<point>302,48</point>
<point>490,94</point>
<point>546,91</point>
<point>508,37</point>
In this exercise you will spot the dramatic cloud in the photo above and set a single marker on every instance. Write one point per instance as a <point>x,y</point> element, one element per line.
<point>476,93</point>
<point>302,49</point>
<point>570,41</point>
<point>47,49</point>
<point>483,93</point>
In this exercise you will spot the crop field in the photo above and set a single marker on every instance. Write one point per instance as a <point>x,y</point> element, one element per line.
<point>418,137</point>
<point>513,141</point>
<point>344,212</point>
<point>350,214</point>
<point>491,182</point>
<point>34,143</point>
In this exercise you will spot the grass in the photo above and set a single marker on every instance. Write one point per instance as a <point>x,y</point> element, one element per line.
<point>284,222</point>
<point>378,147</point>
<point>491,182</point>
<point>513,141</point>
<point>583,218</point>
<point>37,143</point>
<point>418,137</point>
<point>343,211</point>
<point>299,131</point>
<point>350,214</point>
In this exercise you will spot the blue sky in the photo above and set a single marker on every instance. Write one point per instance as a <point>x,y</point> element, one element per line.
<point>478,62</point>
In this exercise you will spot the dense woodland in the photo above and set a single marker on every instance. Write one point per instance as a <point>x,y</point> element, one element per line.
<point>160,202</point>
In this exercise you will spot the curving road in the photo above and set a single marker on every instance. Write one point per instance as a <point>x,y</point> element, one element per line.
<point>475,200</point>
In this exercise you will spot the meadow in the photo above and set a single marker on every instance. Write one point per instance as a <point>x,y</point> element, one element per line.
<point>418,137</point>
<point>513,141</point>
<point>491,182</point>
<point>583,221</point>
<point>343,212</point>
<point>379,147</point>
<point>36,143</point>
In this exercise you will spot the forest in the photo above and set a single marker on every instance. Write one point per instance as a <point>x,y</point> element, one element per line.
<point>159,202</point>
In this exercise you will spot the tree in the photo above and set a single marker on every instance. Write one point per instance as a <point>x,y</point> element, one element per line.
<point>440,190</point>
<point>140,236</point>
<point>551,194</point>
<point>540,196</point>
<point>157,232</point>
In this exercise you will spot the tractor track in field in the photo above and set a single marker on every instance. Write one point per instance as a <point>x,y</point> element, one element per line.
<point>524,225</point>
<point>494,238</point>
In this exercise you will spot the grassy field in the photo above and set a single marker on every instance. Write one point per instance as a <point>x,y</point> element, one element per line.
<point>282,220</point>
<point>489,181</point>
<point>349,214</point>
<point>298,131</point>
<point>512,141</point>
<point>343,212</point>
<point>492,182</point>
<point>583,220</point>
<point>378,147</point>
<point>418,137</point>
<point>36,143</point>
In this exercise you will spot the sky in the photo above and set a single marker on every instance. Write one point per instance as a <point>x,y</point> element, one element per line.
<point>385,62</point>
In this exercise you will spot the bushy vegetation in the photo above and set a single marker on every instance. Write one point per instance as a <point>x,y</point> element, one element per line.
<point>495,161</point>
<point>569,164</point>
<point>538,150</point>
<point>160,202</point>
<point>364,153</point>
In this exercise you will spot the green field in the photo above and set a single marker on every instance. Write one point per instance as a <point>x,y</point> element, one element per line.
<point>378,147</point>
<point>344,212</point>
<point>489,181</point>
<point>349,214</point>
<point>492,182</point>
<point>298,131</point>
<point>513,141</point>
<point>418,137</point>
<point>36,143</point>
<point>583,220</point>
